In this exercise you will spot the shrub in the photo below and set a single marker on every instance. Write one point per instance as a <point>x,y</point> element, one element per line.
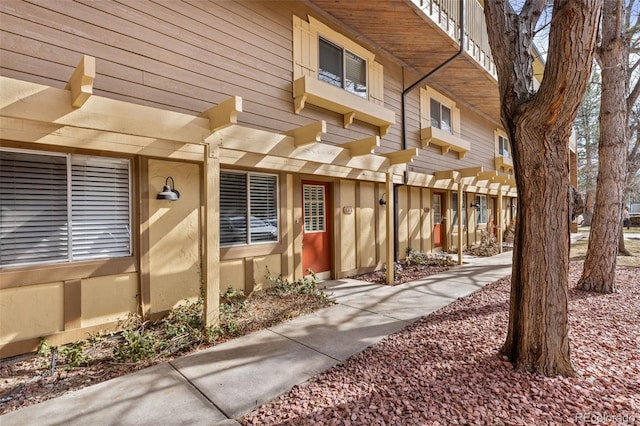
<point>307,285</point>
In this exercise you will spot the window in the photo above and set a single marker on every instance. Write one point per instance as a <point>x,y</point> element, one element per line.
<point>248,198</point>
<point>342,68</point>
<point>481,209</point>
<point>437,209</point>
<point>440,116</point>
<point>503,146</point>
<point>314,208</point>
<point>454,207</point>
<point>63,207</point>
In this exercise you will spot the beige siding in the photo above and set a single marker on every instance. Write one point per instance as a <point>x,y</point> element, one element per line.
<point>190,56</point>
<point>365,219</point>
<point>347,223</point>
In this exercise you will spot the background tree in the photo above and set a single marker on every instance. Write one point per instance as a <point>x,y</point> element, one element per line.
<point>632,39</point>
<point>600,264</point>
<point>539,126</point>
<point>618,147</point>
<point>587,128</point>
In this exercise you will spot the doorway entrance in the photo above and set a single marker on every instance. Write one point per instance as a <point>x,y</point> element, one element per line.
<point>316,229</point>
<point>438,227</point>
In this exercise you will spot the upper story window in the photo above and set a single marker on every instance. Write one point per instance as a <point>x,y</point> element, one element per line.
<point>334,72</point>
<point>503,146</point>
<point>440,116</point>
<point>60,207</point>
<point>342,68</point>
<point>248,198</point>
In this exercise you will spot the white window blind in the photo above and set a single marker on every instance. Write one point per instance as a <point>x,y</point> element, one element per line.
<point>314,208</point>
<point>42,193</point>
<point>454,207</point>
<point>356,74</point>
<point>233,208</point>
<point>100,207</point>
<point>248,198</point>
<point>34,208</point>
<point>481,211</point>
<point>264,207</point>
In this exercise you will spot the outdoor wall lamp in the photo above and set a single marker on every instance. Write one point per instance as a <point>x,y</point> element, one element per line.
<point>168,192</point>
<point>382,201</point>
<point>475,205</point>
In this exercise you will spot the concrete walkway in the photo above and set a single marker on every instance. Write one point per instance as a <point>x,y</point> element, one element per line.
<point>217,385</point>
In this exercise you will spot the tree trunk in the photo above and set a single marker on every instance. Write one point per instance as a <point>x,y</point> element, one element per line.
<point>606,227</point>
<point>588,208</point>
<point>539,125</point>
<point>622,249</point>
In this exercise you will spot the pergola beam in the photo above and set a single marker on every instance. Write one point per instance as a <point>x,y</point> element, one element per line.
<point>471,172</point>
<point>401,157</point>
<point>81,82</point>
<point>452,175</point>
<point>311,133</point>
<point>488,175</point>
<point>224,114</point>
<point>362,146</point>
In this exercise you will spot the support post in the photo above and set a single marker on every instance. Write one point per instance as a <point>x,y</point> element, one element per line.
<point>211,252</point>
<point>461,206</point>
<point>391,267</point>
<point>499,223</point>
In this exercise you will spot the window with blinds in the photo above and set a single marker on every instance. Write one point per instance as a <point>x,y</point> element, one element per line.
<point>42,193</point>
<point>342,68</point>
<point>454,208</point>
<point>314,208</point>
<point>248,198</point>
<point>481,210</point>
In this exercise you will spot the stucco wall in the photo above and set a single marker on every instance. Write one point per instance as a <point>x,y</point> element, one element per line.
<point>174,235</point>
<point>31,311</point>
<point>108,299</point>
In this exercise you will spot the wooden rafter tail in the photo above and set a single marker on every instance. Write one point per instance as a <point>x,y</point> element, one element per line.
<point>489,176</point>
<point>401,157</point>
<point>224,114</point>
<point>362,147</point>
<point>81,82</point>
<point>311,133</point>
<point>471,171</point>
<point>452,175</point>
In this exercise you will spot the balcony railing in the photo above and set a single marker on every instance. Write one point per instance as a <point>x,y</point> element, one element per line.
<point>445,13</point>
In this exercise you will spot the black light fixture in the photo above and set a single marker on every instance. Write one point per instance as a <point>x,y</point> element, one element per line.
<point>382,201</point>
<point>168,192</point>
<point>475,205</point>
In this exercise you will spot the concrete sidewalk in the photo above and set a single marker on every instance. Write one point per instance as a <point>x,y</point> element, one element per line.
<point>217,385</point>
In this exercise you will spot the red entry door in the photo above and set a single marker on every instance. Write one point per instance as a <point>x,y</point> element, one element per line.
<point>316,241</point>
<point>436,205</point>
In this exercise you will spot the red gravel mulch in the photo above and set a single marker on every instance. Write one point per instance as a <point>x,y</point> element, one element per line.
<point>445,369</point>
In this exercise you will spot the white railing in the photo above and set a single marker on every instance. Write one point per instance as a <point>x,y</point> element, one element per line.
<point>446,13</point>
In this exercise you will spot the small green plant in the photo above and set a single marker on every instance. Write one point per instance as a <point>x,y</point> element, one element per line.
<point>306,285</point>
<point>414,257</point>
<point>231,302</point>
<point>44,348</point>
<point>74,354</point>
<point>138,341</point>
